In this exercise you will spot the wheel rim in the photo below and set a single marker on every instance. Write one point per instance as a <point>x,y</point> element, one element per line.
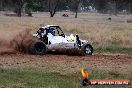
<point>39,47</point>
<point>87,50</point>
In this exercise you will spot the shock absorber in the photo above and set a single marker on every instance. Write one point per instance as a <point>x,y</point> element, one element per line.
<point>78,41</point>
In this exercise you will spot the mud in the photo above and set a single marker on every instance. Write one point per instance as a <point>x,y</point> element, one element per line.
<point>5,46</point>
<point>14,48</point>
<point>19,42</point>
<point>65,63</point>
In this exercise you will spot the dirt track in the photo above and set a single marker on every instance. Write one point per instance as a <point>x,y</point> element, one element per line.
<point>64,62</point>
<point>91,23</point>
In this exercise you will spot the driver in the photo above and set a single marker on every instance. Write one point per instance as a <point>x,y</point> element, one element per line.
<point>52,31</point>
<point>41,32</point>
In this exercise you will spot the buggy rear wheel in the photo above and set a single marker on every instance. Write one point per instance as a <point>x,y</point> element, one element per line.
<point>38,48</point>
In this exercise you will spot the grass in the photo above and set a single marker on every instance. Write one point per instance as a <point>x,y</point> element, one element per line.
<point>41,79</point>
<point>113,49</point>
<point>90,26</point>
<point>35,79</point>
<point>114,37</point>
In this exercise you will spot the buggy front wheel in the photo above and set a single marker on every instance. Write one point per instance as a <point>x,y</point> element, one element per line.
<point>87,49</point>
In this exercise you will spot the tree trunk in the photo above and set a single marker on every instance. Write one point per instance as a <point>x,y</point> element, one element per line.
<point>24,9</point>
<point>19,11</point>
<point>52,14</point>
<point>115,8</point>
<point>49,2</point>
<point>52,6</point>
<point>1,5</point>
<point>77,7</point>
<point>76,14</point>
<point>19,8</point>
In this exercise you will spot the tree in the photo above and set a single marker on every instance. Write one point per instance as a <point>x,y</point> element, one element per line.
<point>52,6</point>
<point>19,5</point>
<point>115,7</point>
<point>1,4</point>
<point>74,6</point>
<point>102,6</point>
<point>77,3</point>
<point>22,5</point>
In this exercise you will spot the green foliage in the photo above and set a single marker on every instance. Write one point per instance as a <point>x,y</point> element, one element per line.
<point>29,78</point>
<point>113,49</point>
<point>100,5</point>
<point>35,79</point>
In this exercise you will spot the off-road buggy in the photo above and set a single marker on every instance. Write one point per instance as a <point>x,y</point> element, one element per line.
<point>52,38</point>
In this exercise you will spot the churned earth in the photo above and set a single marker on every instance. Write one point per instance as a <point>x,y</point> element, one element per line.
<point>65,63</point>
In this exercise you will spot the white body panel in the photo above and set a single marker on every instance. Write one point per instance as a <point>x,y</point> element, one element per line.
<point>60,41</point>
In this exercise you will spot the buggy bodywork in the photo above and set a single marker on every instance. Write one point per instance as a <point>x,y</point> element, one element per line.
<point>55,39</point>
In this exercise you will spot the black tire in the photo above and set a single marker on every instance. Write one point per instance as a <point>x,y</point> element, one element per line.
<point>38,48</point>
<point>87,49</point>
